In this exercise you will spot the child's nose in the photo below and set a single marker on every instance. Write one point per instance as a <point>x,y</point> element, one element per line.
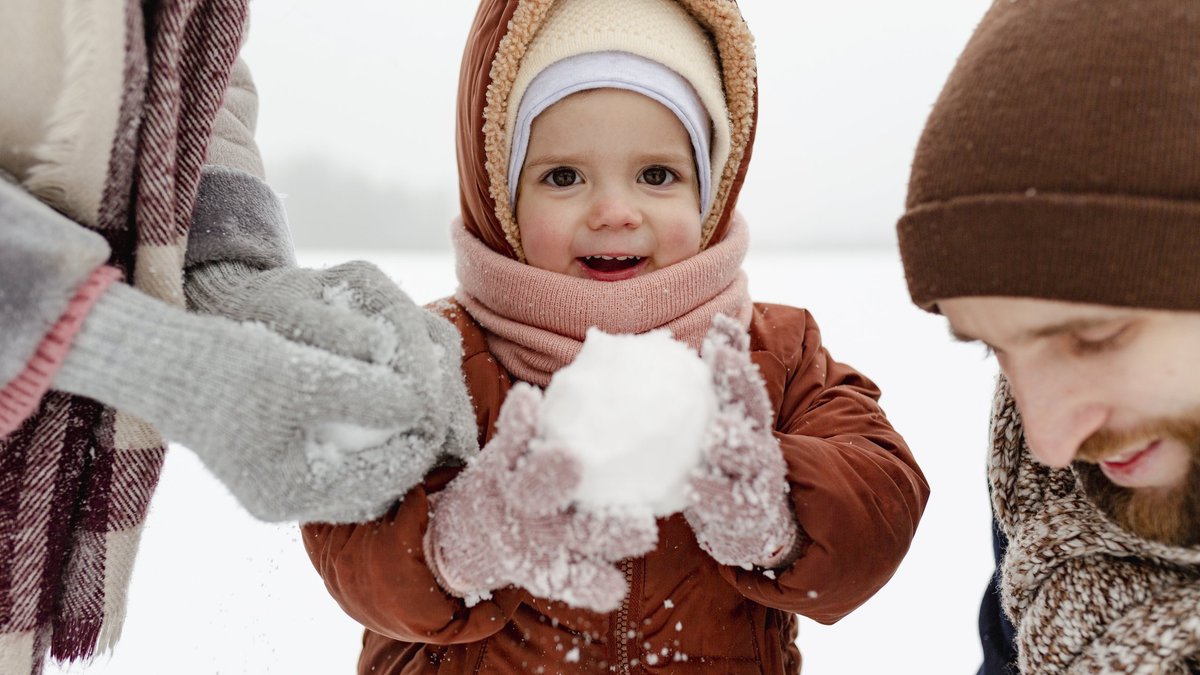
<point>612,210</point>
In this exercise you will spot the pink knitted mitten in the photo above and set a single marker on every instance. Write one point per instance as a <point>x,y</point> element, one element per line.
<point>507,520</point>
<point>739,495</point>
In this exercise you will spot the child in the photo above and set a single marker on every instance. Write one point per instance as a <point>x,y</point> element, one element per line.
<point>601,149</point>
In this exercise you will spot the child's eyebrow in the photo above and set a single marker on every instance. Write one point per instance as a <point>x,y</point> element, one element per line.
<point>665,157</point>
<point>543,160</point>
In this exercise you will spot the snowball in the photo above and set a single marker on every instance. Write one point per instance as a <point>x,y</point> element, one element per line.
<point>633,409</point>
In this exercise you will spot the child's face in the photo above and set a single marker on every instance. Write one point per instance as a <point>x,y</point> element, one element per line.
<point>609,189</point>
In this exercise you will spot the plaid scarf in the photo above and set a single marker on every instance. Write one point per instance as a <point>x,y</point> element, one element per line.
<point>76,478</point>
<point>1085,595</point>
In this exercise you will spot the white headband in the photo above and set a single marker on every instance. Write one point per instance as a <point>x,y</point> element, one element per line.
<point>614,70</point>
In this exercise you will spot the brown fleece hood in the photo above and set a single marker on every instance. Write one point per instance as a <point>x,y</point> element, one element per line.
<point>498,39</point>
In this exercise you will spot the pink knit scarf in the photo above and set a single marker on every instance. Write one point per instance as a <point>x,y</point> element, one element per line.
<point>536,320</point>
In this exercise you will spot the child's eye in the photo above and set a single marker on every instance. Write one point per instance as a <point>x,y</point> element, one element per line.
<point>658,176</point>
<point>562,177</point>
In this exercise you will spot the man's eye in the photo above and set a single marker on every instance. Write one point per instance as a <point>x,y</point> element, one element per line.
<point>1097,341</point>
<point>562,177</point>
<point>658,176</point>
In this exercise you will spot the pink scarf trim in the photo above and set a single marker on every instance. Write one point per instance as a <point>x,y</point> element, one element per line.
<point>536,320</point>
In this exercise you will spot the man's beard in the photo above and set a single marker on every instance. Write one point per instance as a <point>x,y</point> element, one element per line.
<point>1169,514</point>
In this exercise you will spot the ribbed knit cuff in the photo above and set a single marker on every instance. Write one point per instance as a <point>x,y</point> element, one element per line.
<point>433,558</point>
<point>795,544</point>
<point>20,397</point>
<point>238,217</point>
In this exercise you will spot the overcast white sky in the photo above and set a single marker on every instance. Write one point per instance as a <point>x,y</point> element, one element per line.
<point>366,89</point>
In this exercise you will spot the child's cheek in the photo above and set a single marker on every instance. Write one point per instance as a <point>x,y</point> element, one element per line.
<point>681,241</point>
<point>546,247</point>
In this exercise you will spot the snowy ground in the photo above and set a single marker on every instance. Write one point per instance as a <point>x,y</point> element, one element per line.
<point>216,592</point>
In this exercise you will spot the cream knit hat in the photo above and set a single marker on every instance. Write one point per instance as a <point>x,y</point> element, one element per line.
<point>614,70</point>
<point>658,30</point>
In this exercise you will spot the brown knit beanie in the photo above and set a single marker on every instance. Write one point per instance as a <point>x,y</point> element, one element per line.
<point>1062,160</point>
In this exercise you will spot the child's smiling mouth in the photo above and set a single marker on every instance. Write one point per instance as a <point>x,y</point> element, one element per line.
<point>612,267</point>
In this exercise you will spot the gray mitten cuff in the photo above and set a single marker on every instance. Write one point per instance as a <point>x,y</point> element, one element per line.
<point>44,258</point>
<point>142,356</point>
<point>238,217</point>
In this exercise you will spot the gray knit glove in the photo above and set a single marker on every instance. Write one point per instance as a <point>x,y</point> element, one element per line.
<point>240,265</point>
<point>296,433</point>
<point>355,310</point>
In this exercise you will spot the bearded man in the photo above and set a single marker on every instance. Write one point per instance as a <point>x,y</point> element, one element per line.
<point>1054,216</point>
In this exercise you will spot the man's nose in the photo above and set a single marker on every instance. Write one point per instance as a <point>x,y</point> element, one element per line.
<point>1059,411</point>
<point>613,209</point>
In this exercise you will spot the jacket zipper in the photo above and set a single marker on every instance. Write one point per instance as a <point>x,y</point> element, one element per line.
<point>623,628</point>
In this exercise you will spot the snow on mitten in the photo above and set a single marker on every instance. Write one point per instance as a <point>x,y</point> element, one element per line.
<point>354,310</point>
<point>294,432</point>
<point>507,520</point>
<point>739,494</point>
<point>240,266</point>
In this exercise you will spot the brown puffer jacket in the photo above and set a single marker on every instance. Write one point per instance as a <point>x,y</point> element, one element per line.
<point>855,487</point>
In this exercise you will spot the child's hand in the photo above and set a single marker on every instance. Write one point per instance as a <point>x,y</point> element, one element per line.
<point>739,494</point>
<point>507,520</point>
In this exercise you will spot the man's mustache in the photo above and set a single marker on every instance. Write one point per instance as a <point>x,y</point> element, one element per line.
<point>1106,443</point>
